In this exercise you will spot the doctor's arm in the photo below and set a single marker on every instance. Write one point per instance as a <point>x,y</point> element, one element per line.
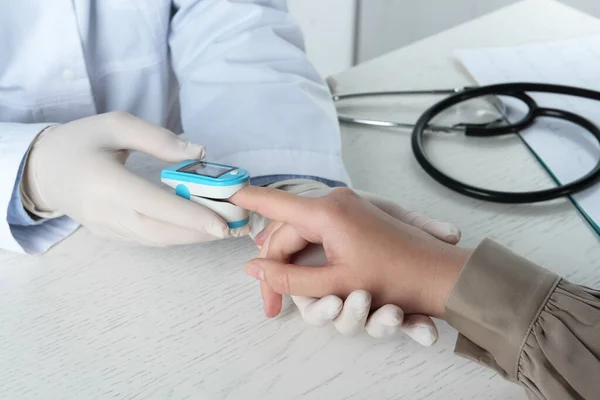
<point>528,324</point>
<point>19,231</point>
<point>68,174</point>
<point>249,93</point>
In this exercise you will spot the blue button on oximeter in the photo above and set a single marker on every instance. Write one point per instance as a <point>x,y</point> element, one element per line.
<point>210,185</point>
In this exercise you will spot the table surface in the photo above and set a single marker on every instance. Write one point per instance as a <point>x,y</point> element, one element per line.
<point>95,320</point>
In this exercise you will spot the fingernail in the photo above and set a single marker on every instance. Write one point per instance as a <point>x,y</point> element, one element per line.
<point>255,270</point>
<point>449,232</point>
<point>454,235</point>
<point>260,238</point>
<point>263,251</point>
<point>452,239</point>
<point>266,311</point>
<point>218,230</point>
<point>194,151</point>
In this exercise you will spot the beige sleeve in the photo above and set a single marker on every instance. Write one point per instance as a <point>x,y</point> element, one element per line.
<point>529,325</point>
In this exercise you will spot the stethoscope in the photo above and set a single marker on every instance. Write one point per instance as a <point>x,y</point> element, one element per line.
<point>491,128</point>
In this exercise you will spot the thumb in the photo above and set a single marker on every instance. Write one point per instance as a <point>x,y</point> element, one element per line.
<point>293,279</point>
<point>134,133</point>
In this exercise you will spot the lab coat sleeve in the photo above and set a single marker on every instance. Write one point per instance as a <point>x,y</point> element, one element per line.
<point>18,232</point>
<point>248,91</point>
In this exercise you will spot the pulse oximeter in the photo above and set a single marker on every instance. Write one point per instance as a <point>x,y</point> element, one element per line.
<point>210,185</point>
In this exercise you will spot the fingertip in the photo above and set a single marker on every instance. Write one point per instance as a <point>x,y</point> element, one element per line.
<point>322,311</point>
<point>240,232</point>
<point>443,231</point>
<point>424,335</point>
<point>453,234</point>
<point>390,315</point>
<point>353,316</point>
<point>332,306</point>
<point>303,302</point>
<point>421,329</point>
<point>271,311</point>
<point>218,230</point>
<point>195,151</point>
<point>272,301</point>
<point>260,238</point>
<point>360,297</point>
<point>360,302</point>
<point>452,239</point>
<point>188,150</point>
<point>385,322</point>
<point>255,269</point>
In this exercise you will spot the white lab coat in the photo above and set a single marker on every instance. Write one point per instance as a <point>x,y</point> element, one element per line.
<point>231,74</point>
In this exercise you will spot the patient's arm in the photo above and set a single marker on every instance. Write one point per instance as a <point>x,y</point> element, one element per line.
<point>354,314</point>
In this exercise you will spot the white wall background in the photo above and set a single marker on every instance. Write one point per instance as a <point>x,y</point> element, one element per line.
<point>385,25</point>
<point>331,26</point>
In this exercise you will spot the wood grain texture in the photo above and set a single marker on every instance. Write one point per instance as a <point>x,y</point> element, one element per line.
<point>98,320</point>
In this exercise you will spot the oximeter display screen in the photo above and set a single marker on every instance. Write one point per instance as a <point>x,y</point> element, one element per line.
<point>205,169</point>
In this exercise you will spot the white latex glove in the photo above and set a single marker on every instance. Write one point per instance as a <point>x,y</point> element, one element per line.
<point>354,314</point>
<point>78,169</point>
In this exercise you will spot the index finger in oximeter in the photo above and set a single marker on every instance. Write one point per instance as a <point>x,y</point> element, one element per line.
<point>210,185</point>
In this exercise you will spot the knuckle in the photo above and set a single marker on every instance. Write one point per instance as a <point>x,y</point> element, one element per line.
<point>261,207</point>
<point>343,193</point>
<point>270,190</point>
<point>280,282</point>
<point>276,252</point>
<point>337,203</point>
<point>337,285</point>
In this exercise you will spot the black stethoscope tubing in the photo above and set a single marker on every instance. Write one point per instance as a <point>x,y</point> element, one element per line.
<point>519,91</point>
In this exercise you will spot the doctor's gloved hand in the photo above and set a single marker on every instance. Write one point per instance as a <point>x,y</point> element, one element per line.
<point>352,315</point>
<point>366,249</point>
<point>78,169</point>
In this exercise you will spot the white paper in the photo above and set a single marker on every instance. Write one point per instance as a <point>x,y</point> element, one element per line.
<point>565,149</point>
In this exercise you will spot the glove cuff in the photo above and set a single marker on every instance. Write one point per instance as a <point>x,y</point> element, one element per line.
<point>28,184</point>
<point>298,186</point>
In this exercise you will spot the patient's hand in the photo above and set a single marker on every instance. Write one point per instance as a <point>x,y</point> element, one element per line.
<point>354,314</point>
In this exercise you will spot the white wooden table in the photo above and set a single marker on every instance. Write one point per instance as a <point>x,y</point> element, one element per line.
<point>95,320</point>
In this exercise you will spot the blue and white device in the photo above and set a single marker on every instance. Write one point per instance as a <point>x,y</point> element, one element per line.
<point>210,185</point>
